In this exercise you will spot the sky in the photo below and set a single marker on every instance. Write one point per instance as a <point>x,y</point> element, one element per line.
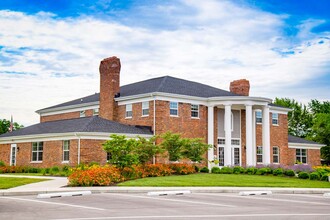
<point>50,50</point>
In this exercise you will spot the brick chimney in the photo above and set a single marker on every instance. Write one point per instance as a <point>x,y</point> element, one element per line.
<point>240,87</point>
<point>109,87</point>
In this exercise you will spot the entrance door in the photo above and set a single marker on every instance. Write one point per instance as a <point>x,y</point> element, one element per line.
<point>235,156</point>
<point>13,155</point>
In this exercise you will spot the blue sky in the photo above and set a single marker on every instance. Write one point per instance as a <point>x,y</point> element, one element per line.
<point>50,50</point>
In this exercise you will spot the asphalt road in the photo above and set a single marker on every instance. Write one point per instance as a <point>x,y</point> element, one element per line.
<point>188,206</point>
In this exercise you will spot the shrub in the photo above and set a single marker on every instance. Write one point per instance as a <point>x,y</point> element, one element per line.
<point>289,173</point>
<point>238,170</point>
<point>55,169</point>
<point>278,172</point>
<point>303,175</point>
<point>205,170</point>
<point>324,177</point>
<point>264,171</point>
<point>226,170</point>
<point>182,169</point>
<point>96,176</point>
<point>33,170</point>
<point>196,169</point>
<point>251,170</point>
<point>215,170</point>
<point>302,168</point>
<point>2,164</point>
<point>314,176</point>
<point>154,170</point>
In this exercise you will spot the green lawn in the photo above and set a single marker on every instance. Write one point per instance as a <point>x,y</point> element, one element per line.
<point>25,174</point>
<point>227,180</point>
<point>10,182</point>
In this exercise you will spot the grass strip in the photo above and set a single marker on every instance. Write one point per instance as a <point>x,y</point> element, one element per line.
<point>10,182</point>
<point>229,180</point>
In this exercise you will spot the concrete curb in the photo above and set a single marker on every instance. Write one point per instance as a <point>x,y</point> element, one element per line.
<point>96,190</point>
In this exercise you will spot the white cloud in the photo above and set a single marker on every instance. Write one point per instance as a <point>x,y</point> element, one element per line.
<point>215,43</point>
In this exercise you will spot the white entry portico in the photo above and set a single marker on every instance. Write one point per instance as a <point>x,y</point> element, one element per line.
<point>230,146</point>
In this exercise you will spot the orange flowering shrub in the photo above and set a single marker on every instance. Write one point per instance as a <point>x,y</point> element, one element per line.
<point>96,176</point>
<point>182,169</point>
<point>154,170</point>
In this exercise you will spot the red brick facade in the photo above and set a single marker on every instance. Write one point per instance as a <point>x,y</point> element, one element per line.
<point>62,116</point>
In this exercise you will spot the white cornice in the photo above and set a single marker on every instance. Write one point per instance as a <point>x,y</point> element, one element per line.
<point>64,136</point>
<point>69,108</point>
<point>305,146</point>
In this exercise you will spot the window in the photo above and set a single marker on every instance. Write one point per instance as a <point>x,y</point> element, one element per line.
<point>235,142</point>
<point>276,155</point>
<point>195,111</point>
<point>66,150</point>
<point>109,156</point>
<point>259,154</point>
<point>221,141</point>
<point>301,155</point>
<point>236,156</point>
<point>37,149</point>
<point>82,113</point>
<point>145,108</point>
<point>96,111</point>
<point>221,156</point>
<point>258,116</point>
<point>174,109</point>
<point>275,118</point>
<point>129,111</point>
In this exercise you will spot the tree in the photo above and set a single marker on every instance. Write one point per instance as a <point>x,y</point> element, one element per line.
<point>194,149</point>
<point>299,119</point>
<point>121,150</point>
<point>173,144</point>
<point>5,126</point>
<point>146,149</point>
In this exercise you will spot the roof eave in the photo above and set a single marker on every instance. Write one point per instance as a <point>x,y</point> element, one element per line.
<point>47,110</point>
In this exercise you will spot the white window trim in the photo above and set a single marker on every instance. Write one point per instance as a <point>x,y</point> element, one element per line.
<point>96,112</point>
<point>278,154</point>
<point>259,117</point>
<point>259,155</point>
<point>191,111</point>
<point>129,110</point>
<point>177,109</point>
<point>37,151</point>
<point>144,108</point>
<point>11,154</point>
<point>65,161</point>
<point>301,155</point>
<point>82,113</point>
<point>275,119</point>
<point>232,123</point>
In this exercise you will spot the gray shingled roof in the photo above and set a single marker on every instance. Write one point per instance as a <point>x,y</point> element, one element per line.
<point>86,124</point>
<point>298,140</point>
<point>166,84</point>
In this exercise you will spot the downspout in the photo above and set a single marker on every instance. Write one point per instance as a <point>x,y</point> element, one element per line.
<point>78,147</point>
<point>154,125</point>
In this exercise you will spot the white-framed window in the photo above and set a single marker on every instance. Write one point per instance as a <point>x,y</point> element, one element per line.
<point>258,116</point>
<point>236,156</point>
<point>174,108</point>
<point>37,151</point>
<point>276,154</point>
<point>235,142</point>
<point>109,156</point>
<point>275,118</point>
<point>129,111</point>
<point>221,141</point>
<point>145,108</point>
<point>66,150</point>
<point>221,156</point>
<point>194,111</point>
<point>301,155</point>
<point>259,154</point>
<point>95,111</point>
<point>82,113</point>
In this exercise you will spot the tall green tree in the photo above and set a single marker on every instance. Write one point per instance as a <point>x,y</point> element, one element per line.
<point>5,125</point>
<point>299,119</point>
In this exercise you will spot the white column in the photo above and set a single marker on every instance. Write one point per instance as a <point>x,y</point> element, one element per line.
<point>265,135</point>
<point>227,152</point>
<point>210,134</point>
<point>254,141</point>
<point>249,135</point>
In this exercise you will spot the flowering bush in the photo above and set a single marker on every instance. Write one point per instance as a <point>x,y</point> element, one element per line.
<point>182,169</point>
<point>95,176</point>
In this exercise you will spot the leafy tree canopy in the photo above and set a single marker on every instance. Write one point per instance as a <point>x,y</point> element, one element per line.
<point>5,125</point>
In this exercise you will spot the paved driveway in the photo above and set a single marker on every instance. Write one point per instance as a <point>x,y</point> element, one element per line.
<point>188,206</point>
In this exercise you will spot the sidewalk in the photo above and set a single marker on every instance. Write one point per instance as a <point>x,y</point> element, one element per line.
<point>58,184</point>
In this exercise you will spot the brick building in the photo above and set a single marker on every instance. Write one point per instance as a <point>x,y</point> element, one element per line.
<point>243,129</point>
